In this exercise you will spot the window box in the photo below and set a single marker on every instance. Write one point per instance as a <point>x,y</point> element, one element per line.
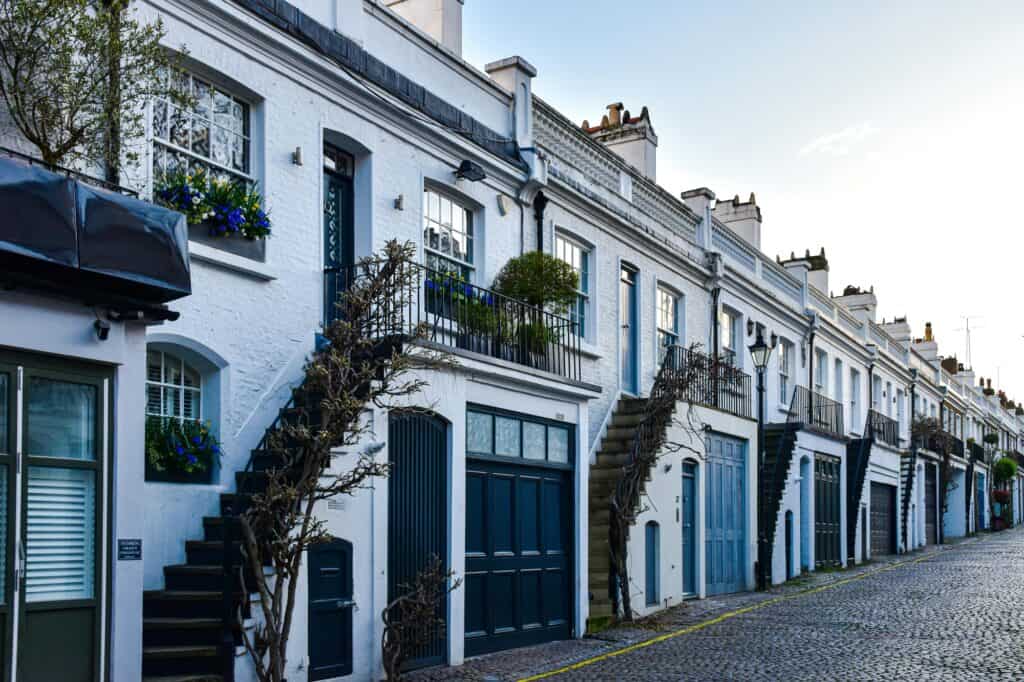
<point>253,249</point>
<point>167,476</point>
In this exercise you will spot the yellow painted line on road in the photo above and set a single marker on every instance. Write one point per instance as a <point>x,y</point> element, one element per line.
<point>719,619</point>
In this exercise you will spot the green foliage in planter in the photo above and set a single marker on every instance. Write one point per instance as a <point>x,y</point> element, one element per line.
<point>539,279</point>
<point>991,439</point>
<point>174,446</point>
<point>227,207</point>
<point>1005,469</point>
<point>450,295</point>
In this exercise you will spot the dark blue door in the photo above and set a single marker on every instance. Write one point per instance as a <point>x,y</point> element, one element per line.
<point>417,510</point>
<point>518,555</point>
<point>627,306</point>
<point>689,514</point>
<point>979,503</point>
<point>330,610</point>
<point>339,231</point>
<point>652,546</point>
<point>725,515</point>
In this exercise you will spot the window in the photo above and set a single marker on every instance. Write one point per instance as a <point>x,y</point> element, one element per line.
<point>213,136</point>
<point>578,258</point>
<point>837,388</point>
<point>448,235</point>
<point>820,371</point>
<point>506,435</point>
<point>785,367</point>
<point>876,393</point>
<point>668,320</point>
<point>173,388</point>
<point>854,399</point>
<point>888,398</point>
<point>728,323</point>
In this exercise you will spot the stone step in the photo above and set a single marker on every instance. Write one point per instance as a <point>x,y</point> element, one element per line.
<point>631,406</point>
<point>620,433</point>
<point>612,460</point>
<point>613,445</point>
<point>621,420</point>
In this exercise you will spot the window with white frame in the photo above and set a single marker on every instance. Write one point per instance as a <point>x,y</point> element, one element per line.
<point>213,135</point>
<point>785,370</point>
<point>728,324</point>
<point>837,387</point>
<point>888,398</point>
<point>820,371</point>
<point>854,399</point>
<point>173,387</point>
<point>668,319</point>
<point>876,393</point>
<point>448,235</point>
<point>578,258</point>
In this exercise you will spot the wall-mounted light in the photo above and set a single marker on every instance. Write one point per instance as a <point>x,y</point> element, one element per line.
<point>297,156</point>
<point>470,170</point>
<point>102,328</point>
<point>400,202</point>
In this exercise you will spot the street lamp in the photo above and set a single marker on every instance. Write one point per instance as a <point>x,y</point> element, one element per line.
<point>760,352</point>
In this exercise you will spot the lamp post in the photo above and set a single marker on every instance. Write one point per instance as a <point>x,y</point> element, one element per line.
<point>760,352</point>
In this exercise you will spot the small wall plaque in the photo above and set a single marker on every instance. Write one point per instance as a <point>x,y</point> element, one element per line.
<point>129,549</point>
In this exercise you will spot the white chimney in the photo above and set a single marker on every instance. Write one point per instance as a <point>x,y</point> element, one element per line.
<point>440,19</point>
<point>742,217</point>
<point>631,137</point>
<point>817,269</point>
<point>861,304</point>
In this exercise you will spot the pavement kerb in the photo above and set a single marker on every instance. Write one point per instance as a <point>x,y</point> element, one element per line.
<point>728,615</point>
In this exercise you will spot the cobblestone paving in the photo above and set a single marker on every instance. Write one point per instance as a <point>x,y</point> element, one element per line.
<point>954,613</point>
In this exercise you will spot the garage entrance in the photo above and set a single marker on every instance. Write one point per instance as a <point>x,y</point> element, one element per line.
<point>826,510</point>
<point>726,537</point>
<point>519,531</point>
<point>883,519</point>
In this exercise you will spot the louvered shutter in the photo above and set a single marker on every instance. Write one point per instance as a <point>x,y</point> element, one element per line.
<point>61,534</point>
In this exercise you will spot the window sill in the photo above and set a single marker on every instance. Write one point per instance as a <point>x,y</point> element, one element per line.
<point>229,261</point>
<point>589,350</point>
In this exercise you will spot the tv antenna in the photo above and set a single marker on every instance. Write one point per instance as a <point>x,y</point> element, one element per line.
<point>966,329</point>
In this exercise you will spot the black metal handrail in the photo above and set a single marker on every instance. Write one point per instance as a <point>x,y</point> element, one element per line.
<point>883,428</point>
<point>956,446</point>
<point>69,172</point>
<point>817,412</point>
<point>977,452</point>
<point>461,315</point>
<point>711,383</point>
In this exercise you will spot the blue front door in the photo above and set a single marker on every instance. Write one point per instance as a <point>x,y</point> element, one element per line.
<point>330,609</point>
<point>689,514</point>
<point>979,503</point>
<point>627,307</point>
<point>725,515</point>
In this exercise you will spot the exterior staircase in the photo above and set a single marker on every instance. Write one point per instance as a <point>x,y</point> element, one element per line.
<point>183,624</point>
<point>858,455</point>
<point>614,453</point>
<point>780,443</point>
<point>908,469</point>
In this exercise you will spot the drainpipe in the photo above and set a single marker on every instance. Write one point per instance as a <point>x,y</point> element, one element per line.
<point>540,202</point>
<point>810,376</point>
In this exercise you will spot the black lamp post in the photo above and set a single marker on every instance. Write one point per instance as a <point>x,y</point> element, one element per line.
<point>760,352</point>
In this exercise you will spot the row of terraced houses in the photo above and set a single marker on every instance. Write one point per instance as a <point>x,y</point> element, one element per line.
<point>361,123</point>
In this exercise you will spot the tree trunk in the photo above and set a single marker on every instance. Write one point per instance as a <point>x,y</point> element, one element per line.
<point>115,12</point>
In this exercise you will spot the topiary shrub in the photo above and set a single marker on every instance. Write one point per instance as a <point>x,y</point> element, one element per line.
<point>539,279</point>
<point>1004,470</point>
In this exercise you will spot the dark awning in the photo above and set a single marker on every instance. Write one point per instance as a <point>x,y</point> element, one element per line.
<point>60,234</point>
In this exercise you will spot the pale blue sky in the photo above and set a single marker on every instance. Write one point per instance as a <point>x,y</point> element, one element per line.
<point>890,135</point>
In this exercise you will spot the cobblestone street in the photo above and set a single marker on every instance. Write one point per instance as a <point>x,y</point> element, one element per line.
<point>954,613</point>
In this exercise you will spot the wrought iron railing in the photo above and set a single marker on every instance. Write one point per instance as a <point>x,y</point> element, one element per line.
<point>457,314</point>
<point>956,446</point>
<point>976,452</point>
<point>69,172</point>
<point>711,383</point>
<point>817,412</point>
<point>883,428</point>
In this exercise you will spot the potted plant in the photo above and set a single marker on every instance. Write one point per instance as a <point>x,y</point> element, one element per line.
<point>991,439</point>
<point>180,451</point>
<point>220,213</point>
<point>547,285</point>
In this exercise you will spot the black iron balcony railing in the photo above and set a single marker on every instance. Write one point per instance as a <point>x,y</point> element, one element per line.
<point>712,383</point>
<point>956,446</point>
<point>977,452</point>
<point>817,412</point>
<point>884,429</point>
<point>457,314</point>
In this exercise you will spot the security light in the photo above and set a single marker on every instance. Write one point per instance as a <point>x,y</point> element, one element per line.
<point>102,328</point>
<point>470,170</point>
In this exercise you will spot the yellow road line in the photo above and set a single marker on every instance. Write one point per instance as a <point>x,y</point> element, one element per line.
<point>719,619</point>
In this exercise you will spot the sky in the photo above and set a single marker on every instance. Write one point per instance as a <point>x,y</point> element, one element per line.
<point>890,133</point>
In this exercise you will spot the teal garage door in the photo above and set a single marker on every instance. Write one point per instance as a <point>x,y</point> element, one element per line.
<point>725,515</point>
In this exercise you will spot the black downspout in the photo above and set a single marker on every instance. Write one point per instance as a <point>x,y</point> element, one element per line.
<point>810,378</point>
<point>943,472</point>
<point>540,202</point>
<point>871,389</point>
<point>715,294</point>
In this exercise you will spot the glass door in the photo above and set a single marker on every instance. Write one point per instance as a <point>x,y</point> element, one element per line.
<point>627,306</point>
<point>52,449</point>
<point>339,230</point>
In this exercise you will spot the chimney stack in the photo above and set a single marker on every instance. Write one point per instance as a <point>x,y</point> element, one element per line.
<point>440,19</point>
<point>860,303</point>
<point>742,217</point>
<point>631,137</point>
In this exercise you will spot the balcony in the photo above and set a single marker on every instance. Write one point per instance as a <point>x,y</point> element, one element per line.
<point>956,446</point>
<point>711,383</point>
<point>80,238</point>
<point>884,429</point>
<point>976,452</point>
<point>445,310</point>
<point>817,412</point>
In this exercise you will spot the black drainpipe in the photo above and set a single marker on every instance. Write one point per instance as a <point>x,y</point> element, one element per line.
<point>540,202</point>
<point>715,294</point>
<point>810,378</point>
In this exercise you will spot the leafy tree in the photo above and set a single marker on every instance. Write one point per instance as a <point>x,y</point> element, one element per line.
<point>1004,470</point>
<point>76,75</point>
<point>539,279</point>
